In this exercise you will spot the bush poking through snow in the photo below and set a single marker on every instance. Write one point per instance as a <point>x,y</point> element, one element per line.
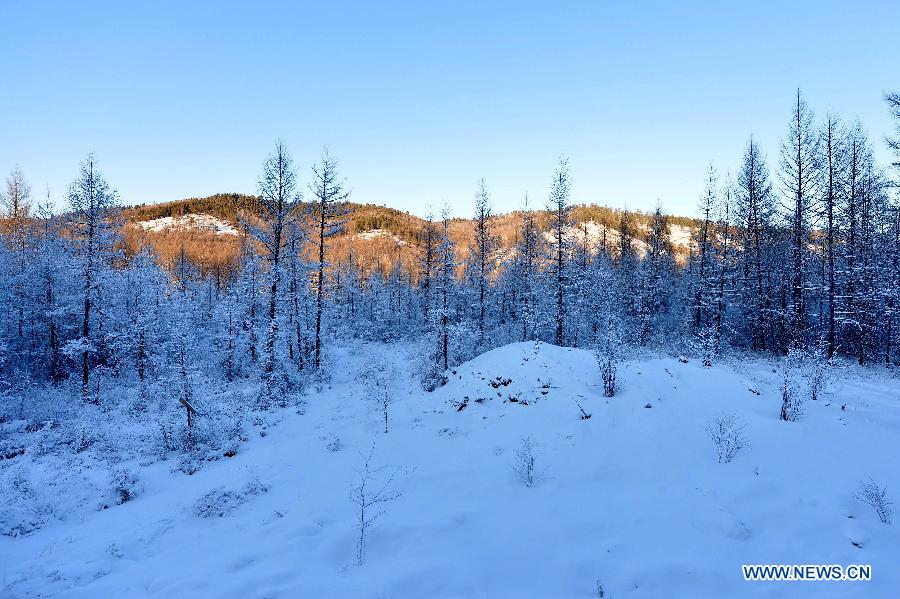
<point>375,488</point>
<point>608,373</point>
<point>871,494</point>
<point>727,434</point>
<point>791,400</point>
<point>375,378</point>
<point>334,444</point>
<point>220,501</point>
<point>125,486</point>
<point>524,465</point>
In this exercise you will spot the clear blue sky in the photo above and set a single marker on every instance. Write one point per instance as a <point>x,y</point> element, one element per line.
<point>419,100</point>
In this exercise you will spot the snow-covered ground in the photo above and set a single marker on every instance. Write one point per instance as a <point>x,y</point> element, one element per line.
<point>377,233</point>
<point>202,222</point>
<point>632,498</point>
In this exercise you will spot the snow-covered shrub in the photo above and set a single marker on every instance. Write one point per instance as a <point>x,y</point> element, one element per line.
<point>463,343</point>
<point>524,464</point>
<point>875,496</point>
<point>707,345</point>
<point>189,463</point>
<point>124,486</point>
<point>608,373</point>
<point>791,400</point>
<point>727,434</point>
<point>22,511</point>
<point>431,363</point>
<point>375,377</point>
<point>817,379</point>
<point>220,501</point>
<point>334,443</point>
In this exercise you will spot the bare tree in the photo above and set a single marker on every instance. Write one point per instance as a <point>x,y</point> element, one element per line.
<point>375,489</point>
<point>16,201</point>
<point>484,245</point>
<point>427,264</point>
<point>558,207</point>
<point>90,200</point>
<point>446,281</point>
<point>834,163</point>
<point>707,208</point>
<point>527,251</point>
<point>893,102</point>
<point>278,200</point>
<point>327,187</point>
<point>799,164</point>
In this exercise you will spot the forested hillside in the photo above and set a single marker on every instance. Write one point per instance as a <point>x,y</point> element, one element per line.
<point>376,236</point>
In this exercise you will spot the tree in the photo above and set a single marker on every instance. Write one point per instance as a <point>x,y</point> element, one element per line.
<point>724,260</point>
<point>656,268</point>
<point>445,284</point>
<point>893,102</point>
<point>527,252</point>
<point>799,177</point>
<point>16,202</point>
<point>705,232</point>
<point>90,201</point>
<point>327,187</point>
<point>484,245</point>
<point>558,207</point>
<point>278,199</point>
<point>427,264</point>
<point>833,160</point>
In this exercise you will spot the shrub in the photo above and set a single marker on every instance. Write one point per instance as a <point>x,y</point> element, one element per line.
<point>608,373</point>
<point>524,465</point>
<point>727,435</point>
<point>125,486</point>
<point>871,494</point>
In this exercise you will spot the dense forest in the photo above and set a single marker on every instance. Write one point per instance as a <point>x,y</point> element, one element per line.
<point>796,255</point>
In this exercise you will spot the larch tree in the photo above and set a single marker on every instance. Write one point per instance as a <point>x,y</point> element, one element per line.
<point>481,252</point>
<point>527,252</point>
<point>705,232</point>
<point>833,167</point>
<point>278,200</point>
<point>800,178</point>
<point>327,187</point>
<point>16,203</point>
<point>427,264</point>
<point>558,208</point>
<point>91,201</point>
<point>446,279</point>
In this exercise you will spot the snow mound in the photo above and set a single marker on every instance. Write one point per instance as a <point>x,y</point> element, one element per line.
<point>525,374</point>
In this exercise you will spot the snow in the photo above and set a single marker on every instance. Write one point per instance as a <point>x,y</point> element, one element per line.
<point>376,233</point>
<point>591,233</point>
<point>632,497</point>
<point>202,222</point>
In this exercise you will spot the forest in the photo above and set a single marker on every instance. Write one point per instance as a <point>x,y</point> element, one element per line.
<point>804,259</point>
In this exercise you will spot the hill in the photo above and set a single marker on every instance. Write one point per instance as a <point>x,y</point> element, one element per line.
<point>376,235</point>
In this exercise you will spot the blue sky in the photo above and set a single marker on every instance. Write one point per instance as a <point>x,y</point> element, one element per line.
<point>419,100</point>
